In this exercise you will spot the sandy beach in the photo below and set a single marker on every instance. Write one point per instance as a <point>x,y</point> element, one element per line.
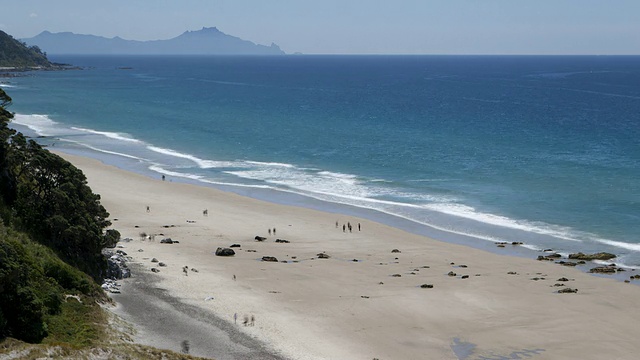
<point>362,302</point>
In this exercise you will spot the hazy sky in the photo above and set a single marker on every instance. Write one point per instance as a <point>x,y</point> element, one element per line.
<point>353,26</point>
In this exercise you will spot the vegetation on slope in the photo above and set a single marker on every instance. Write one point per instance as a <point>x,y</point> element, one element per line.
<point>51,237</point>
<point>14,53</point>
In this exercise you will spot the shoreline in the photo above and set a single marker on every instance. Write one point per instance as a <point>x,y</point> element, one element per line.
<point>465,231</point>
<point>481,305</point>
<point>277,197</point>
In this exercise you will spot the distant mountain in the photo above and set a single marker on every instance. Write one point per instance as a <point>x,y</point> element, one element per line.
<point>208,41</point>
<point>13,53</point>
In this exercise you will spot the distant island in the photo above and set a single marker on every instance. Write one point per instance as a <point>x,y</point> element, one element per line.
<point>207,41</point>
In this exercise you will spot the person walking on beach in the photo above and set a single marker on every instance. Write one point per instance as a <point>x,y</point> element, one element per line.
<point>358,226</point>
<point>269,231</point>
<point>274,231</point>
<point>253,320</point>
<point>344,227</point>
<point>148,210</point>
<point>235,318</point>
<point>336,224</point>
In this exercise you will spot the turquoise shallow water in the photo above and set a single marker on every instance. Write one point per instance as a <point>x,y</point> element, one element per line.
<point>544,150</point>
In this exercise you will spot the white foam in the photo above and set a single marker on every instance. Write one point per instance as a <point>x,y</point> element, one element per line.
<point>41,124</point>
<point>111,135</point>
<point>105,151</point>
<point>619,244</point>
<point>157,168</point>
<point>468,212</point>
<point>269,164</point>
<point>3,85</point>
<point>203,164</point>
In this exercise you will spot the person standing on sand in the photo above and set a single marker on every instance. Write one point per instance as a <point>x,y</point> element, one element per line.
<point>148,210</point>
<point>253,320</point>
<point>269,231</point>
<point>344,227</point>
<point>235,318</point>
<point>274,231</point>
<point>336,224</point>
<point>358,226</point>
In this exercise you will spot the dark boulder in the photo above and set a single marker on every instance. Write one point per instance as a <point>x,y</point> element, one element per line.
<point>282,241</point>
<point>225,252</point>
<point>269,259</point>
<point>235,246</point>
<point>166,241</point>
<point>426,286</point>
<point>395,251</point>
<point>567,291</point>
<point>260,238</point>
<point>323,256</point>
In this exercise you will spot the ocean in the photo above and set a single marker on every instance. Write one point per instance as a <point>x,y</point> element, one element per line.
<point>466,149</point>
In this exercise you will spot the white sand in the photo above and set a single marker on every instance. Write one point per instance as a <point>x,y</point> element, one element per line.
<point>336,308</point>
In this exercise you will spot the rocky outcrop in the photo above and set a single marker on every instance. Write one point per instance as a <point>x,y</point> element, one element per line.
<point>117,265</point>
<point>167,241</point>
<point>282,241</point>
<point>588,257</point>
<point>260,238</point>
<point>224,252</point>
<point>603,270</point>
<point>323,256</point>
<point>550,257</point>
<point>269,259</point>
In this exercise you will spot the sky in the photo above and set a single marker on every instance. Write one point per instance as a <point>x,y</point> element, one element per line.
<point>600,27</point>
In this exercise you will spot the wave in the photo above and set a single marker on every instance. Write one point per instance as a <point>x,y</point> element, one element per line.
<point>111,135</point>
<point>159,169</point>
<point>3,85</point>
<point>40,124</point>
<point>469,212</point>
<point>270,164</point>
<point>105,151</point>
<point>620,244</point>
<point>203,164</point>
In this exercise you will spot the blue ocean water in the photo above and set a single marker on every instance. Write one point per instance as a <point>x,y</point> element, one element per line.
<point>471,149</point>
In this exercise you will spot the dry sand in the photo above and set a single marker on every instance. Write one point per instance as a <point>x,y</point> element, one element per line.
<point>338,308</point>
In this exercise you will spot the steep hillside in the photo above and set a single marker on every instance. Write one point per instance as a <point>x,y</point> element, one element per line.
<point>14,53</point>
